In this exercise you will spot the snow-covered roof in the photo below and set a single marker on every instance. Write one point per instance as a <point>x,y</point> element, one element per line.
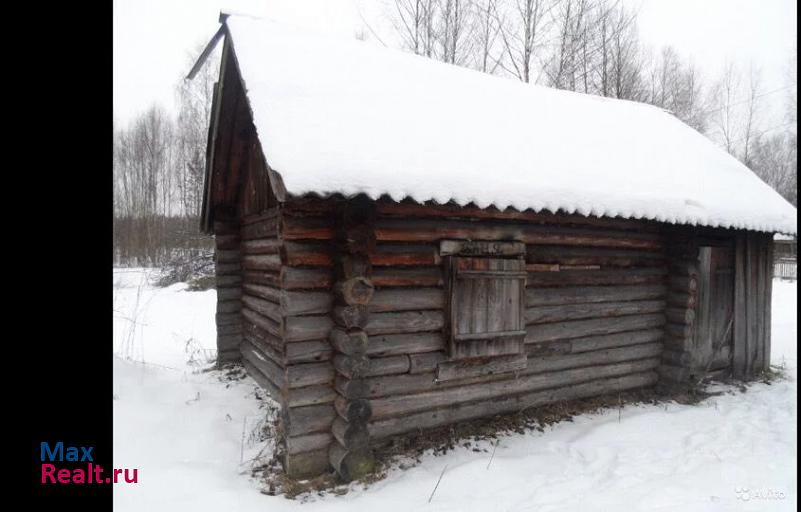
<point>783,238</point>
<point>336,116</point>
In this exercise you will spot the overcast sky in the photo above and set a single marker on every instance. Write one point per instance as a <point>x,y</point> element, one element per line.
<point>155,40</point>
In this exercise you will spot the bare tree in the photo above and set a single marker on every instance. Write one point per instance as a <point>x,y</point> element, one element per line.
<point>524,34</point>
<point>487,36</point>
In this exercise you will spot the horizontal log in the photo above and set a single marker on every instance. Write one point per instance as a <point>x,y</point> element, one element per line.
<point>306,464</point>
<point>426,362</point>
<point>262,380</point>
<point>581,328</point>
<point>297,278</point>
<point>305,302</point>
<point>261,262</point>
<point>350,464</point>
<point>355,291</point>
<point>350,317</point>
<point>229,294</point>
<point>620,339</point>
<point>229,329</point>
<point>262,337</point>
<point>227,342</point>
<point>561,313</point>
<point>268,214</point>
<point>263,322</point>
<point>229,306</point>
<point>542,267</point>
<point>263,363</point>
<point>397,344</point>
<point>407,299</point>
<point>418,276</point>
<point>309,374</point>
<point>351,435</point>
<point>587,294</point>
<point>593,359</point>
<point>267,228</point>
<point>261,246</point>
<point>593,256</point>
<point>411,210</point>
<point>299,254</point>
<point>629,276</point>
<point>404,255</point>
<point>548,348</point>
<point>308,443</point>
<point>405,322</point>
<point>228,281</point>
<point>226,227</point>
<point>480,248</point>
<point>227,318</point>
<point>270,293</point>
<point>227,269</point>
<point>307,228</point>
<point>373,367</point>
<point>679,330</point>
<point>352,367</point>
<point>467,368</point>
<point>680,315</point>
<point>263,307</point>
<point>309,395</point>
<point>384,426</point>
<point>408,230</point>
<point>307,419</point>
<point>308,351</point>
<point>351,343</point>
<point>306,328</point>
<point>353,410</point>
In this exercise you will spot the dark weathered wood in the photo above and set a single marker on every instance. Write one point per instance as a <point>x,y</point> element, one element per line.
<point>262,380</point>
<point>466,368</point>
<point>306,228</point>
<point>228,318</point>
<point>267,228</point>
<point>592,359</point>
<point>620,339</point>
<point>352,435</point>
<point>581,328</point>
<point>359,366</point>
<point>397,344</point>
<point>306,328</point>
<point>416,276</point>
<point>407,299</point>
<point>561,313</point>
<point>307,419</point>
<point>648,275</point>
<point>680,315</point>
<point>300,254</point>
<point>682,300</point>
<point>349,343</point>
<point>412,210</point>
<point>480,248</point>
<point>261,246</point>
<point>309,374</point>
<point>585,294</point>
<point>309,395</point>
<point>426,362</point>
<point>413,230</point>
<point>356,291</point>
<point>350,317</point>
<point>305,302</point>
<point>548,348</point>
<point>262,322</point>
<point>353,410</point>
<point>263,363</point>
<point>383,428</point>
<point>227,256</point>
<point>226,242</point>
<point>263,307</point>
<point>228,306</point>
<point>683,283</point>
<point>308,443</point>
<point>351,464</point>
<point>261,262</point>
<point>306,464</point>
<point>405,322</point>
<point>229,294</point>
<point>297,278</point>
<point>228,281</point>
<point>308,351</point>
<point>405,255</point>
<point>593,256</point>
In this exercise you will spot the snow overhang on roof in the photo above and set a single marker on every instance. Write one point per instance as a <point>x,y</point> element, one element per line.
<point>337,116</point>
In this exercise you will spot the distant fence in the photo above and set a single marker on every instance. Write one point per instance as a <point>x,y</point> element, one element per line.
<point>785,268</point>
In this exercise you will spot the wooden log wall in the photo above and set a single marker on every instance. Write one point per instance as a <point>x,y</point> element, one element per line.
<point>227,260</point>
<point>596,298</point>
<point>678,359</point>
<point>350,453</point>
<point>286,316</point>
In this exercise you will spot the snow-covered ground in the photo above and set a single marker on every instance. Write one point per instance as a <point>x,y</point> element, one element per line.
<point>191,435</point>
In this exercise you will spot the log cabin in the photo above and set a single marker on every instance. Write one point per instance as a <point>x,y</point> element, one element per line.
<point>403,244</point>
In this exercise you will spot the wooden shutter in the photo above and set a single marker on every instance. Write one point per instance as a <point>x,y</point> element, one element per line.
<point>487,296</point>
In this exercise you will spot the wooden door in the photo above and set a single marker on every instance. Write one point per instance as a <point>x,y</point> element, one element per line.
<point>714,327</point>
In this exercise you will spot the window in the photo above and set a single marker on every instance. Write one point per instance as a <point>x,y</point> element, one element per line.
<point>486,285</point>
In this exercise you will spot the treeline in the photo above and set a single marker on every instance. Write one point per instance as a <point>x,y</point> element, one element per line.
<point>588,46</point>
<point>159,167</point>
<point>593,47</point>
